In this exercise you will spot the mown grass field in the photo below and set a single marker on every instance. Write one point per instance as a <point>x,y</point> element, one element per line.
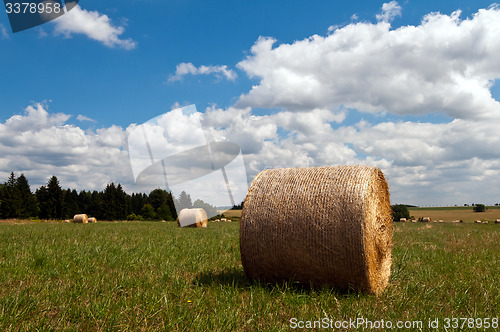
<point>448,214</point>
<point>156,276</point>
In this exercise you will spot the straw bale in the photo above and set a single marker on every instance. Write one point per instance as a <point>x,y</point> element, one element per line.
<point>193,218</point>
<point>223,219</point>
<point>320,226</point>
<point>67,221</point>
<point>426,219</point>
<point>92,220</point>
<point>81,218</point>
<point>497,221</point>
<point>402,219</point>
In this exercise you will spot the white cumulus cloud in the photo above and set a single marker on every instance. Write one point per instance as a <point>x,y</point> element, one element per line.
<point>445,64</point>
<point>94,25</point>
<point>390,11</point>
<point>188,68</point>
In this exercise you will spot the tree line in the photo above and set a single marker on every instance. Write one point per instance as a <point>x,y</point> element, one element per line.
<point>113,203</point>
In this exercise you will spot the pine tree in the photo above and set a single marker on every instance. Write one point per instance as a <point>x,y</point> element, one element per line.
<point>85,202</point>
<point>110,200</point>
<point>70,205</point>
<point>121,203</point>
<point>28,204</point>
<point>185,201</point>
<point>55,195</point>
<point>171,205</point>
<point>97,207</point>
<point>11,200</point>
<point>137,201</point>
<point>42,196</point>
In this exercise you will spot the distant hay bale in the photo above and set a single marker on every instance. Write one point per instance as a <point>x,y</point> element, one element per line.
<point>92,220</point>
<point>67,221</point>
<point>440,221</point>
<point>413,220</point>
<point>217,220</point>
<point>81,218</point>
<point>193,217</point>
<point>402,219</point>
<point>497,221</point>
<point>426,219</point>
<point>320,226</point>
<point>456,221</point>
<point>228,220</point>
<point>223,220</point>
<point>477,221</point>
<point>485,222</point>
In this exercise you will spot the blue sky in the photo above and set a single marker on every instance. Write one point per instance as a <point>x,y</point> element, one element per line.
<point>262,79</point>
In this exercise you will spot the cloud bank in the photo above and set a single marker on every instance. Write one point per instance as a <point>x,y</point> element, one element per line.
<point>446,64</point>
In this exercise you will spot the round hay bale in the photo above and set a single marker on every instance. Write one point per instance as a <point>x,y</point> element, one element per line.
<point>193,217</point>
<point>426,219</point>
<point>497,221</point>
<point>223,220</point>
<point>66,221</point>
<point>321,226</point>
<point>402,219</point>
<point>92,220</point>
<point>81,218</point>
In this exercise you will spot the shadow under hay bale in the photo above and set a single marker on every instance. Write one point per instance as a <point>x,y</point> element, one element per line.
<point>319,226</point>
<point>193,218</point>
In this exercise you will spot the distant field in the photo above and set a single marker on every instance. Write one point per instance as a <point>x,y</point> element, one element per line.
<point>449,214</point>
<point>157,276</point>
<point>233,213</point>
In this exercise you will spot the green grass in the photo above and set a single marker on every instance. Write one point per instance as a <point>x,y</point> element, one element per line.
<point>156,276</point>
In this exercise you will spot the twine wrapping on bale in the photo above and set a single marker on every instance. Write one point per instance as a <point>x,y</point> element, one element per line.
<point>193,217</point>
<point>320,226</point>
<point>81,218</point>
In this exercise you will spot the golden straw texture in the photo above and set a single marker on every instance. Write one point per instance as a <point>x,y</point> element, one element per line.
<point>193,217</point>
<point>320,225</point>
<point>92,220</point>
<point>81,218</point>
